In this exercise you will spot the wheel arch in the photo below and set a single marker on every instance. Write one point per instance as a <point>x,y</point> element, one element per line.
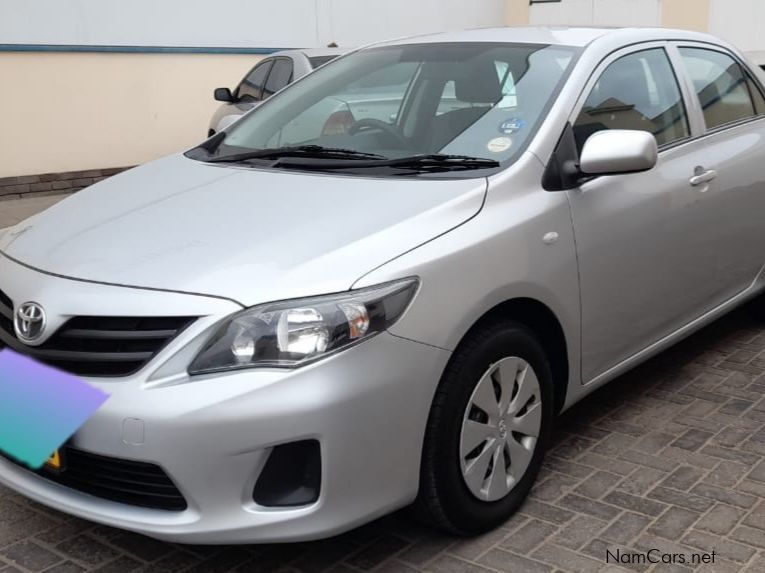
<point>542,322</point>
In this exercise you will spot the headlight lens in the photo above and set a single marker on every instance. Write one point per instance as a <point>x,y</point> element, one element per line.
<point>293,333</point>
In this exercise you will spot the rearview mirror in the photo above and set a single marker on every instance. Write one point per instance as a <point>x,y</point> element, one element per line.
<point>224,95</point>
<point>617,151</point>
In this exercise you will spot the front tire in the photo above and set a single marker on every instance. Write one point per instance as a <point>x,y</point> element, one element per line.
<point>488,428</point>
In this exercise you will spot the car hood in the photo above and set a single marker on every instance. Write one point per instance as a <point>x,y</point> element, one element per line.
<point>243,234</point>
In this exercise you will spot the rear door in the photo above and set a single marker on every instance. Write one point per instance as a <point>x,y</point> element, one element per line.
<point>643,270</point>
<point>730,169</point>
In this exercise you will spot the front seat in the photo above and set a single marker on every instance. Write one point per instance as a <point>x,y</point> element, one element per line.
<point>480,88</point>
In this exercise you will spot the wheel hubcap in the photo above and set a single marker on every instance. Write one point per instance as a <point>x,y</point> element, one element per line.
<point>500,428</point>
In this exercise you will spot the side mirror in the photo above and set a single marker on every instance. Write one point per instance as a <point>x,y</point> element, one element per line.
<point>224,95</point>
<point>618,151</point>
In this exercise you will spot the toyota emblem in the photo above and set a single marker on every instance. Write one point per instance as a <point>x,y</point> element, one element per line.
<point>29,322</point>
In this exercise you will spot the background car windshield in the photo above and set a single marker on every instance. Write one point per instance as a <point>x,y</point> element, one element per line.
<point>481,100</point>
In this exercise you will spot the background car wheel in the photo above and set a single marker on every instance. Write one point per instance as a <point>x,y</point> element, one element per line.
<point>488,429</point>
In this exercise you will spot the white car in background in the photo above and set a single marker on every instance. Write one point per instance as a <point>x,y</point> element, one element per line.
<point>267,77</point>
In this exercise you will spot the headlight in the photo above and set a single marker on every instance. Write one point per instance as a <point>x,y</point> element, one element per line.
<point>295,332</point>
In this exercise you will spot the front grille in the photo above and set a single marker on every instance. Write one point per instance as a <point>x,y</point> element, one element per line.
<point>123,481</point>
<point>97,345</point>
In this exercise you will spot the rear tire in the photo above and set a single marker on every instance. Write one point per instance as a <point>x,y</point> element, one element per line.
<point>488,429</point>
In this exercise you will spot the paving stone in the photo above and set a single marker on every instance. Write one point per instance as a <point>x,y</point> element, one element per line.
<point>750,536</point>
<point>725,548</point>
<point>626,528</point>
<point>681,499</point>
<point>727,474</point>
<point>757,517</point>
<point>721,519</point>
<point>546,512</point>
<point>579,532</point>
<point>724,495</point>
<point>653,442</point>
<point>382,549</point>
<point>589,507</point>
<point>449,564</point>
<point>532,534</point>
<point>683,478</point>
<point>510,562</point>
<point>596,485</point>
<point>87,550</point>
<point>554,487</point>
<point>674,523</point>
<point>641,481</point>
<point>692,440</point>
<point>634,503</point>
<point>30,555</point>
<point>566,560</point>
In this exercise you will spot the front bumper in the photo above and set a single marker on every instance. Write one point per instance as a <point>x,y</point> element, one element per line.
<point>367,407</point>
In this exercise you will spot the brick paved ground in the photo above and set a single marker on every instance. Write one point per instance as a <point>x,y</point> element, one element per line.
<point>669,456</point>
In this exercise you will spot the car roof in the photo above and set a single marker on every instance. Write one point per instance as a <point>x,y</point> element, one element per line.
<point>569,36</point>
<point>312,52</point>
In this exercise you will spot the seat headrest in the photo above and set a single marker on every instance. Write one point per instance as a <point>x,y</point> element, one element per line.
<point>480,83</point>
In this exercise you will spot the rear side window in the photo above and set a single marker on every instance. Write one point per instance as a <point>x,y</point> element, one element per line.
<point>251,88</point>
<point>721,85</point>
<point>639,91</point>
<point>317,61</point>
<point>280,76</point>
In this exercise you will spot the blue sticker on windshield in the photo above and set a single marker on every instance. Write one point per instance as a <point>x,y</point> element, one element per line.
<point>510,126</point>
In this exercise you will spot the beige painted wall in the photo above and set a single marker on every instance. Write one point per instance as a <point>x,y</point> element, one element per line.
<point>77,111</point>
<point>686,14</point>
<point>517,12</point>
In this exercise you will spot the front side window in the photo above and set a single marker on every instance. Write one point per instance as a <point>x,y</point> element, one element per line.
<point>251,88</point>
<point>480,100</point>
<point>721,86</point>
<point>640,92</point>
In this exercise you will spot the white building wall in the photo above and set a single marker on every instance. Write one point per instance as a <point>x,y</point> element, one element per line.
<point>741,22</point>
<point>235,23</point>
<point>597,13</point>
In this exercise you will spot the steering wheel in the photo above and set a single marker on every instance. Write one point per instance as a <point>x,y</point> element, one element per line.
<point>369,123</point>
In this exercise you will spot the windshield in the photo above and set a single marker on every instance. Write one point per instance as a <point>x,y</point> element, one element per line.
<point>475,101</point>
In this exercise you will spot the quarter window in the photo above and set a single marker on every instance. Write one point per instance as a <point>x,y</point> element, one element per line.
<point>640,92</point>
<point>721,86</point>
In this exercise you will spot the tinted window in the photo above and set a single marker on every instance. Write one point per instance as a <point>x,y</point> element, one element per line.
<point>251,88</point>
<point>759,100</point>
<point>720,84</point>
<point>317,61</point>
<point>638,91</point>
<point>280,76</point>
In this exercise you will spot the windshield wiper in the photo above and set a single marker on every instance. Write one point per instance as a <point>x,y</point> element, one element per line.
<point>307,151</point>
<point>434,162</point>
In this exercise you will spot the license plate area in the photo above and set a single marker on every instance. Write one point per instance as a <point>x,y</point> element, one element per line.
<point>56,463</point>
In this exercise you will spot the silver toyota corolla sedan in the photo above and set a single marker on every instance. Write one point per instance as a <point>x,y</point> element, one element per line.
<point>307,323</point>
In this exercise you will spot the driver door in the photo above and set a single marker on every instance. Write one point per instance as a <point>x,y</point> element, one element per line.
<point>641,271</point>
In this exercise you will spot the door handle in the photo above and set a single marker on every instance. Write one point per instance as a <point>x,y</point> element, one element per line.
<point>702,176</point>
